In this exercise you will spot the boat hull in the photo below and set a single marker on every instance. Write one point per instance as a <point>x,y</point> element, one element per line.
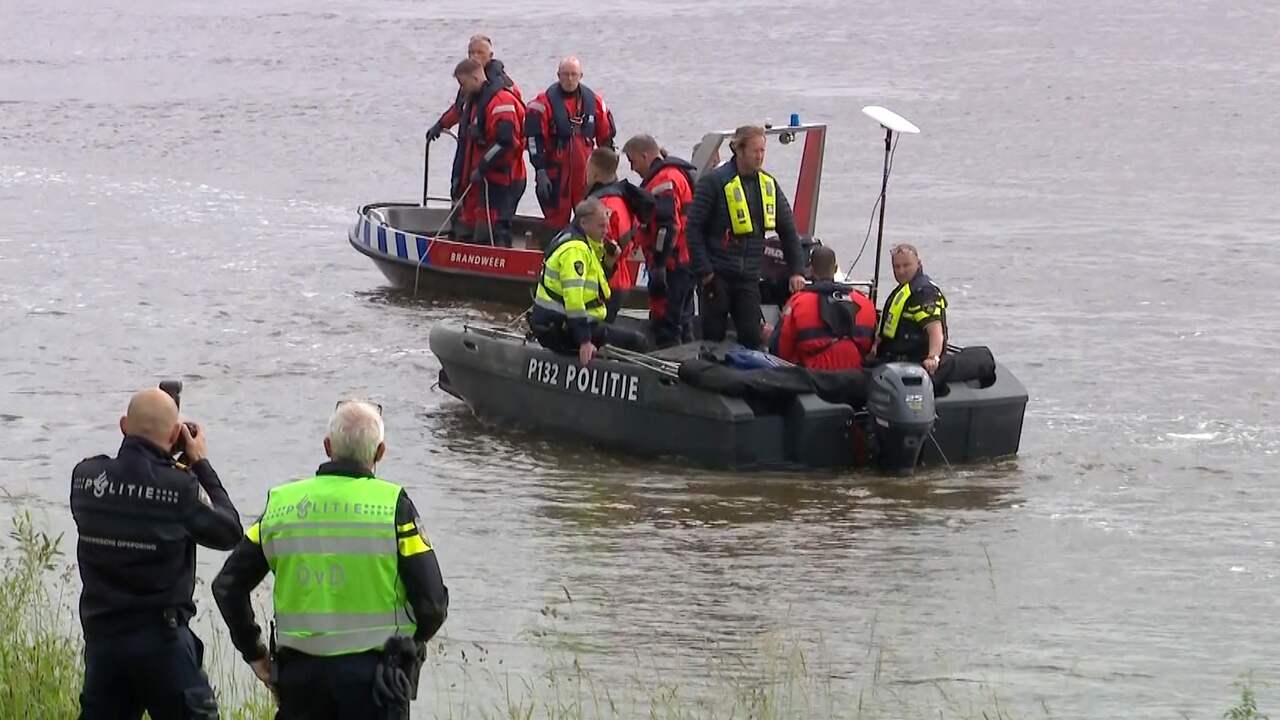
<point>509,380</point>
<point>611,404</point>
<point>405,243</point>
<point>977,423</point>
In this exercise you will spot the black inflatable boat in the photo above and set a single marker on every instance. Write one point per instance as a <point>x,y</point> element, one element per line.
<point>646,404</point>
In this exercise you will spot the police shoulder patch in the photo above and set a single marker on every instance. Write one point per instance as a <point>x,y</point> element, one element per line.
<point>579,268</point>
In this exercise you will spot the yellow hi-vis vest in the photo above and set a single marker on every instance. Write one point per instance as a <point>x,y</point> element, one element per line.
<point>573,281</point>
<point>903,305</point>
<point>740,212</point>
<point>333,545</point>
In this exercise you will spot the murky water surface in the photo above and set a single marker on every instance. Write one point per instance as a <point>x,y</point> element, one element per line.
<point>1095,187</point>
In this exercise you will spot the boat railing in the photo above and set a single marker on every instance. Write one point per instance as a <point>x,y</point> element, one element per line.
<point>495,333</point>
<point>662,367</point>
<point>426,169</point>
<point>666,368</point>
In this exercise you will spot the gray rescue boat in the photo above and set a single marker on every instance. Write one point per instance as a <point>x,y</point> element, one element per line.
<point>676,402</point>
<point>638,403</point>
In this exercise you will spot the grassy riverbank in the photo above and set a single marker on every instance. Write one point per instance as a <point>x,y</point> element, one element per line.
<point>41,671</point>
<point>41,666</point>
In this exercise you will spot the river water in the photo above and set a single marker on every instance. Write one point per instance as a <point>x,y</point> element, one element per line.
<point>1090,187</point>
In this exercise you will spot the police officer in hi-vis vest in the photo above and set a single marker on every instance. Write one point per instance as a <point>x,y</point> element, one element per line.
<point>357,591</point>
<point>734,207</point>
<point>913,324</point>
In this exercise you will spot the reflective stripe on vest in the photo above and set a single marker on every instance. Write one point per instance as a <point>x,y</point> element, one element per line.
<point>331,543</point>
<point>740,212</point>
<point>340,643</point>
<point>550,290</point>
<point>898,310</point>
<point>889,323</point>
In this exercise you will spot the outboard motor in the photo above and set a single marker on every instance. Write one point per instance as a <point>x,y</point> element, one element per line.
<point>900,400</point>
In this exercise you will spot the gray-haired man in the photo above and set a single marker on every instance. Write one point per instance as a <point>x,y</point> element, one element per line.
<point>357,590</point>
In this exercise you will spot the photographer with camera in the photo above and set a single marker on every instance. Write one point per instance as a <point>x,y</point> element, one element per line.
<point>139,517</point>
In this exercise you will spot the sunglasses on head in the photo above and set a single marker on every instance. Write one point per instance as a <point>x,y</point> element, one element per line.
<point>378,406</point>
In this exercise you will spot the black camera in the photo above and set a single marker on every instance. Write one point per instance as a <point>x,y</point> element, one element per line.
<point>173,388</point>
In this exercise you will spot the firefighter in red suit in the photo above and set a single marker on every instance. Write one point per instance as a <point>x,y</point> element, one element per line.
<point>618,248</point>
<point>480,49</point>
<point>827,325</point>
<point>666,248</point>
<point>493,162</point>
<point>563,125</point>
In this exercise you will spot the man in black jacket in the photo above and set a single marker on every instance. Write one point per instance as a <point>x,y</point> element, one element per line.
<point>139,517</point>
<point>734,207</point>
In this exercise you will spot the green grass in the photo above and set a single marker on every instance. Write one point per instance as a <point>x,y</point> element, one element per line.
<point>1247,708</point>
<point>41,671</point>
<point>39,661</point>
<point>41,666</point>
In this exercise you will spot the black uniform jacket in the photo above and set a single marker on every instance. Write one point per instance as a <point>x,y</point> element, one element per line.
<point>139,517</point>
<point>713,248</point>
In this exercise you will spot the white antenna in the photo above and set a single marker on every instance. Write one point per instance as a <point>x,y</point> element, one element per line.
<point>891,122</point>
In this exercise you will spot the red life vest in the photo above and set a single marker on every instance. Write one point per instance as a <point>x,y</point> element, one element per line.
<point>620,231</point>
<point>827,326</point>
<point>495,105</point>
<point>671,182</point>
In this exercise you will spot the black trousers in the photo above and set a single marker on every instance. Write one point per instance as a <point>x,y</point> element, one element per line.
<point>156,669</point>
<point>501,204</point>
<point>330,688</point>
<point>553,333</point>
<point>674,324</point>
<point>739,297</point>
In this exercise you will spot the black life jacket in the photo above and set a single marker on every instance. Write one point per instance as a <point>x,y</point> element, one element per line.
<point>638,200</point>
<point>689,169</point>
<point>663,206</point>
<point>473,118</point>
<point>845,312</point>
<point>564,129</point>
<point>573,232</point>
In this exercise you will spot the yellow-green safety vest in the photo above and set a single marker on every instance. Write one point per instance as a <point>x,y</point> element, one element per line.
<point>331,542</point>
<point>573,281</point>
<point>898,309</point>
<point>740,212</point>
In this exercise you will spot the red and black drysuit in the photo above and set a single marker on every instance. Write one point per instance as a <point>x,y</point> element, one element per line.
<point>562,129</point>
